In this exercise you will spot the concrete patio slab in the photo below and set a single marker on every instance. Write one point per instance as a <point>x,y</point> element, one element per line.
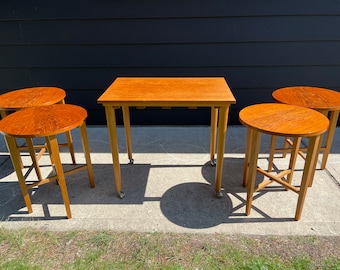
<point>170,188</point>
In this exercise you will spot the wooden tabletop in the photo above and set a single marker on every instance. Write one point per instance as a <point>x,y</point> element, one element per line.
<point>168,92</point>
<point>310,97</point>
<point>30,97</point>
<point>43,121</point>
<point>284,120</point>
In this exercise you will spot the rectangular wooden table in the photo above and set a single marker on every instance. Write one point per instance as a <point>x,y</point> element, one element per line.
<point>168,92</point>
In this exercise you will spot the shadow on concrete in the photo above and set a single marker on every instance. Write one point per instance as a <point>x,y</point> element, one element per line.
<point>190,205</point>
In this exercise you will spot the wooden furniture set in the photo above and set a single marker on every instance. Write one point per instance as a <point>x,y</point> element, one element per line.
<point>281,120</point>
<point>296,115</point>
<point>41,112</point>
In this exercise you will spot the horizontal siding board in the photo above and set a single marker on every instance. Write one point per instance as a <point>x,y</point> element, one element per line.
<point>96,80</point>
<point>180,55</point>
<point>171,31</point>
<point>80,79</point>
<point>10,33</point>
<point>15,9</point>
<point>15,78</point>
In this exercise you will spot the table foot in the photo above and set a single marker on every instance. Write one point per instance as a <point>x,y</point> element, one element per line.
<point>213,162</point>
<point>219,194</point>
<point>121,195</point>
<point>131,161</point>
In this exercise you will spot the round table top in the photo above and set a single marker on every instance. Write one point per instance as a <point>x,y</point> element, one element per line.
<point>30,97</point>
<point>43,121</point>
<point>284,120</point>
<point>310,97</point>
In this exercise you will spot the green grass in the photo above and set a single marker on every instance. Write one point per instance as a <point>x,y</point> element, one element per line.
<point>36,249</point>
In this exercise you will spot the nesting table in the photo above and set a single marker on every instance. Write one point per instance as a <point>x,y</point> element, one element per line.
<point>31,97</point>
<point>168,92</point>
<point>323,100</point>
<point>46,122</point>
<point>281,120</point>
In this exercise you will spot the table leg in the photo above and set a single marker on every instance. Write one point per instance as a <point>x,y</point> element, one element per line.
<point>293,157</point>
<point>213,126</point>
<point>112,129</point>
<point>285,146</point>
<point>222,130</point>
<point>31,150</point>
<point>271,152</point>
<point>308,172</point>
<point>86,148</point>
<point>53,145</point>
<point>254,150</point>
<point>70,146</point>
<point>3,114</point>
<point>126,119</point>
<point>246,158</point>
<point>16,161</point>
<point>330,135</point>
<point>69,141</point>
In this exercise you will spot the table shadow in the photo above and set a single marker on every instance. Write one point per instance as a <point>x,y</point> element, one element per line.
<point>190,205</point>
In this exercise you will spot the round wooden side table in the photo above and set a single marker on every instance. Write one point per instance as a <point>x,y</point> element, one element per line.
<point>47,122</point>
<point>287,121</point>
<point>31,97</point>
<point>323,100</point>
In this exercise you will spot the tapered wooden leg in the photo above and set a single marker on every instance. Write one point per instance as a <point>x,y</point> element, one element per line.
<point>112,129</point>
<point>253,157</point>
<point>308,172</point>
<point>31,150</point>
<point>126,119</point>
<point>293,157</point>
<point>16,161</point>
<point>86,149</point>
<point>222,131</point>
<point>272,152</point>
<point>53,145</point>
<point>213,127</point>
<point>285,146</point>
<point>50,151</point>
<point>70,146</point>
<point>3,114</point>
<point>246,158</point>
<point>69,141</point>
<point>330,135</point>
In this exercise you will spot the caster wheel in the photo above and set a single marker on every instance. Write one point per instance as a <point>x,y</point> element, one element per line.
<point>212,162</point>
<point>219,194</point>
<point>121,195</point>
<point>131,161</point>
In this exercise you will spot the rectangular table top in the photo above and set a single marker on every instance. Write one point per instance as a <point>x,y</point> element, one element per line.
<point>180,91</point>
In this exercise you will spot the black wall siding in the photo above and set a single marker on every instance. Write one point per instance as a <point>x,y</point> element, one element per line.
<point>172,56</point>
<point>257,46</point>
<point>170,30</point>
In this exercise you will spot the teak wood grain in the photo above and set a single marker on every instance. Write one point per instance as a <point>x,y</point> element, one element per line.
<point>31,97</point>
<point>324,100</point>
<point>43,121</point>
<point>310,97</point>
<point>168,92</point>
<point>288,121</point>
<point>284,120</point>
<point>46,121</point>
